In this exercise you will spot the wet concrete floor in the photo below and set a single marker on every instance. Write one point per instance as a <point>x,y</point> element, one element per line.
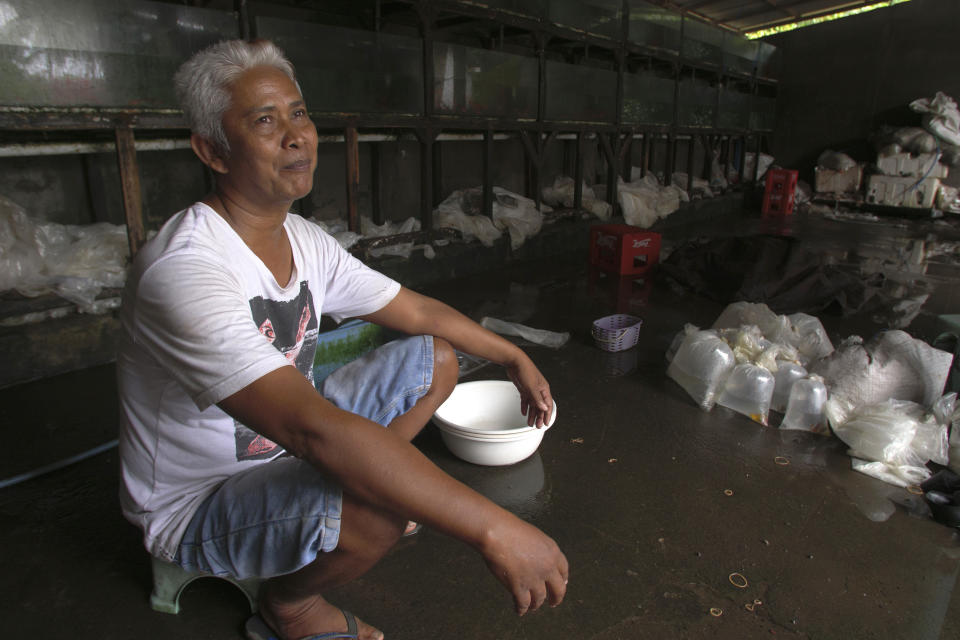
<point>655,502</point>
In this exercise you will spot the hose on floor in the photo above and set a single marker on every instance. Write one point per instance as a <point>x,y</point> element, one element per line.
<point>29,475</point>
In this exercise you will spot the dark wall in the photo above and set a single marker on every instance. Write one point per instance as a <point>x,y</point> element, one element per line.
<point>842,80</point>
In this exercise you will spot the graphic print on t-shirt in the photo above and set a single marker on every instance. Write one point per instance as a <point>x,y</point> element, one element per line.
<point>291,326</point>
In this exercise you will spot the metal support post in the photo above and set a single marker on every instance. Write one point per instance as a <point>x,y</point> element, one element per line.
<point>488,172</point>
<point>130,184</point>
<point>427,136</point>
<point>578,173</point>
<point>353,177</point>
<point>376,167</point>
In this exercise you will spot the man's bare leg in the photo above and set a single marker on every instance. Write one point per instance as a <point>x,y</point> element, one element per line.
<point>292,604</point>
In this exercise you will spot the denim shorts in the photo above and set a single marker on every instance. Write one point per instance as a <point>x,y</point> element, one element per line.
<point>276,517</point>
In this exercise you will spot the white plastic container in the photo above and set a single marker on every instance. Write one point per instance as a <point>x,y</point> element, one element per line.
<point>481,423</point>
<point>700,366</point>
<point>805,406</point>
<point>786,376</point>
<point>748,390</point>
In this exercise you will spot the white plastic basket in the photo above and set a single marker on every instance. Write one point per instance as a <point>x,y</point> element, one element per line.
<point>617,332</point>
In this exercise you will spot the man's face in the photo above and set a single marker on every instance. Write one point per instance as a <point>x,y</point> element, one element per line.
<point>273,143</point>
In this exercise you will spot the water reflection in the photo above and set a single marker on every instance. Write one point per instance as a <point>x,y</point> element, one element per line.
<point>518,488</point>
<point>890,271</point>
<point>620,363</point>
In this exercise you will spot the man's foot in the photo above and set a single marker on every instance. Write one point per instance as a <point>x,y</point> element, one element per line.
<point>317,616</point>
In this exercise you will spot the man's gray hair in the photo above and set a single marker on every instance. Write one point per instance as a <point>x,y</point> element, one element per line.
<point>203,83</point>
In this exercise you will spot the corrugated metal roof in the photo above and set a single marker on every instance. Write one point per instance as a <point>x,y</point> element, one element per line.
<point>750,15</point>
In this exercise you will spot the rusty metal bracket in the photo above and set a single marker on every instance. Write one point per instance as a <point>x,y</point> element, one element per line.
<point>130,185</point>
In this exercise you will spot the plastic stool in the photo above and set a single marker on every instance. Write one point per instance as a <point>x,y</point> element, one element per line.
<point>169,581</point>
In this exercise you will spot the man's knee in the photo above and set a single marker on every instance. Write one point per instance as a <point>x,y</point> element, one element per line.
<point>446,369</point>
<point>367,531</point>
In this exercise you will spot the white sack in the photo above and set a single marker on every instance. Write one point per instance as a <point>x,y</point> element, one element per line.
<point>941,117</point>
<point>893,365</point>
<point>449,214</point>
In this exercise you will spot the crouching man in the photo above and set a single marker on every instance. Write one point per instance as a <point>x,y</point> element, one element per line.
<point>232,462</point>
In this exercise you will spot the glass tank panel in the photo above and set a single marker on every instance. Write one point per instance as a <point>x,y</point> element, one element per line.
<point>697,106</point>
<point>655,27</point>
<point>102,53</point>
<point>768,61</point>
<point>763,116</point>
<point>735,107</point>
<point>469,81</point>
<point>600,17</point>
<point>580,93</point>
<point>647,99</point>
<point>348,70</point>
<point>702,43</point>
<point>739,54</point>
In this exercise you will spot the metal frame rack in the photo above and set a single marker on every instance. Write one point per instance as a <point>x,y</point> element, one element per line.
<point>621,48</point>
<point>626,76</point>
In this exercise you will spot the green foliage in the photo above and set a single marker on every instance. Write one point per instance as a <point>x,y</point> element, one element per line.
<point>354,344</point>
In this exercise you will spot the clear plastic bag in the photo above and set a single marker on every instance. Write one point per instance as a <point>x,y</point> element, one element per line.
<point>805,406</point>
<point>773,355</point>
<point>74,261</point>
<point>737,314</point>
<point>932,441</point>
<point>701,365</point>
<point>551,339</point>
<point>786,375</point>
<point>900,476</point>
<point>809,337</point>
<point>804,333</point>
<point>748,390</point>
<point>883,432</point>
<point>747,343</point>
<point>678,339</point>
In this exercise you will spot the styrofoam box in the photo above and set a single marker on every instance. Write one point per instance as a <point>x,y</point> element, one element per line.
<point>831,181</point>
<point>904,164</point>
<point>896,191</point>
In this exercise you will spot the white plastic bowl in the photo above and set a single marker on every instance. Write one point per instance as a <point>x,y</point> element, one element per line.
<point>481,423</point>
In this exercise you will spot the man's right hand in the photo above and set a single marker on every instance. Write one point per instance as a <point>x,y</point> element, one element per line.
<point>527,562</point>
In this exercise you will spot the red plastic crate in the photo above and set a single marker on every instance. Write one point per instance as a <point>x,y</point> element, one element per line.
<point>623,249</point>
<point>781,188</point>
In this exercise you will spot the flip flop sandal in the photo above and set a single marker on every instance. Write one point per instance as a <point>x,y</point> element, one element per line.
<point>257,629</point>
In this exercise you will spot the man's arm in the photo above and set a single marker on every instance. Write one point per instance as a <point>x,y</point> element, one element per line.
<point>416,314</point>
<point>376,466</point>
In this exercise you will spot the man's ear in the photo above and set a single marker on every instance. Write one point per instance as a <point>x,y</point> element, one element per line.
<point>208,153</point>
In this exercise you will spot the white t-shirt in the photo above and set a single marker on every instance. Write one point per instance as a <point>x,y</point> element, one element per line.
<point>202,318</point>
